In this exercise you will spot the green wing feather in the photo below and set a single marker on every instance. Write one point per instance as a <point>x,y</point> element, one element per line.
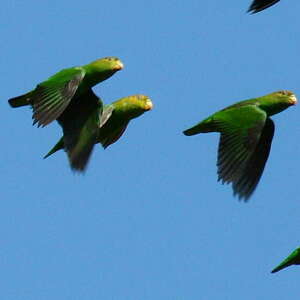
<point>254,167</point>
<point>80,123</point>
<point>241,154</point>
<point>106,114</point>
<point>113,136</point>
<point>51,97</point>
<point>112,126</point>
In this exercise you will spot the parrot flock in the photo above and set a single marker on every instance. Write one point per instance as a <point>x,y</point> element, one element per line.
<point>246,129</point>
<point>67,97</point>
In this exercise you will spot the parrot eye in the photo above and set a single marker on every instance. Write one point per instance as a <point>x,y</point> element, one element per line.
<point>285,93</point>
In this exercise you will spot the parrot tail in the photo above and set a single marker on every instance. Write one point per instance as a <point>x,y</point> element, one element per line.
<point>19,101</point>
<point>58,146</point>
<point>281,266</point>
<point>205,126</point>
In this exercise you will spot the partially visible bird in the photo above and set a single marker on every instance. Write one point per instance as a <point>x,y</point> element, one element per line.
<point>51,97</point>
<point>259,5</point>
<point>87,122</point>
<point>292,259</point>
<point>246,136</point>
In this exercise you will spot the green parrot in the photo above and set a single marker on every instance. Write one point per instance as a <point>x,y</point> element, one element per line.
<point>51,97</point>
<point>246,136</point>
<point>88,122</point>
<point>259,5</point>
<point>292,259</point>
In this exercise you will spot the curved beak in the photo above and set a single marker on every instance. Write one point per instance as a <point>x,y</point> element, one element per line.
<point>292,99</point>
<point>148,105</point>
<point>119,66</point>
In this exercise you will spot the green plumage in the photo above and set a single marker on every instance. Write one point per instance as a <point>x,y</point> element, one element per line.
<point>52,97</point>
<point>259,5</point>
<point>292,259</point>
<point>86,125</point>
<point>246,136</point>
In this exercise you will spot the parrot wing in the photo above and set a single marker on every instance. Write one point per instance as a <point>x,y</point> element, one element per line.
<point>80,127</point>
<point>51,97</point>
<point>245,142</point>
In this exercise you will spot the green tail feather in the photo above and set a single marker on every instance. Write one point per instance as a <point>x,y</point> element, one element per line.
<point>19,101</point>
<point>206,125</point>
<point>58,146</point>
<point>280,267</point>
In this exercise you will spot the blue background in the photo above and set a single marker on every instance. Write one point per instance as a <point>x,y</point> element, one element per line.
<point>148,219</point>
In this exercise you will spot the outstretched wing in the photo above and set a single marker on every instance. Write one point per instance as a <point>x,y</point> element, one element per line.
<point>259,5</point>
<point>80,123</point>
<point>254,168</point>
<point>51,97</point>
<point>245,142</point>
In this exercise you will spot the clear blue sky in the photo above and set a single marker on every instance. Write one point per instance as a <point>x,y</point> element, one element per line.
<point>148,220</point>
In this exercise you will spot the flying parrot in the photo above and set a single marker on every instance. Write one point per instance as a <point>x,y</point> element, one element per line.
<point>52,97</point>
<point>292,259</point>
<point>259,5</point>
<point>245,141</point>
<point>87,122</point>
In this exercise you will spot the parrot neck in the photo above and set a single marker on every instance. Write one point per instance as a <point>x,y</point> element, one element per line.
<point>127,110</point>
<point>274,108</point>
<point>94,74</point>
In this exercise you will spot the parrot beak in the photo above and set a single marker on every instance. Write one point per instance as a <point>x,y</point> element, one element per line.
<point>119,66</point>
<point>148,105</point>
<point>293,99</point>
